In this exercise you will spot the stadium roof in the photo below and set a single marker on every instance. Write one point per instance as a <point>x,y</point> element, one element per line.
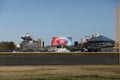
<point>100,38</point>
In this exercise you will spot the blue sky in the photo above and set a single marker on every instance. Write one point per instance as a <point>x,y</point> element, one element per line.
<point>47,18</point>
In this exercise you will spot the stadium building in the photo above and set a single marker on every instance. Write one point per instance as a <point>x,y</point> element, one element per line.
<point>29,44</point>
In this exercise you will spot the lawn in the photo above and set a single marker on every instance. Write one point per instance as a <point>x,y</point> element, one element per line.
<point>60,72</point>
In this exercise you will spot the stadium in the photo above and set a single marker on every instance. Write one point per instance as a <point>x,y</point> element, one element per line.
<point>100,50</point>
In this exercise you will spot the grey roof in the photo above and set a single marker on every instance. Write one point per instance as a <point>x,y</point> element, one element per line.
<point>100,38</point>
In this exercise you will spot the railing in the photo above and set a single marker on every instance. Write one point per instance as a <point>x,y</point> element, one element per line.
<point>58,52</point>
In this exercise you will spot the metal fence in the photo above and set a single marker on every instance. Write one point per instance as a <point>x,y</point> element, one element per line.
<point>43,58</point>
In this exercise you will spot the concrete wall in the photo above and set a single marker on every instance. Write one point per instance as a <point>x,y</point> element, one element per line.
<point>58,58</point>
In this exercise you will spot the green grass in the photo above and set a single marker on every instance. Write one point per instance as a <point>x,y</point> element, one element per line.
<point>60,72</point>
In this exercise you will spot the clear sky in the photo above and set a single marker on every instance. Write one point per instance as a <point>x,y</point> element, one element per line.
<point>47,18</point>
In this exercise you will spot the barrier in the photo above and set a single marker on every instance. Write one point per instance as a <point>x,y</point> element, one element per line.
<point>51,58</point>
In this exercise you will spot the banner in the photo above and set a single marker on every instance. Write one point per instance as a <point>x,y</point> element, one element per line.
<point>62,41</point>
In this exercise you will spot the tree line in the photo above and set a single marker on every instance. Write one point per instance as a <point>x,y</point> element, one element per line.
<point>7,46</point>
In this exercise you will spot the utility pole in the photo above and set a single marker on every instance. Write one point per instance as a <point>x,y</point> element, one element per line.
<point>117,30</point>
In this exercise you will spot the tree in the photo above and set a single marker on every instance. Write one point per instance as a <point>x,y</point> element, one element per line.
<point>7,46</point>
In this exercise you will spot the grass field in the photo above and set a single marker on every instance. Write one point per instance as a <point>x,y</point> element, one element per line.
<point>60,72</point>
